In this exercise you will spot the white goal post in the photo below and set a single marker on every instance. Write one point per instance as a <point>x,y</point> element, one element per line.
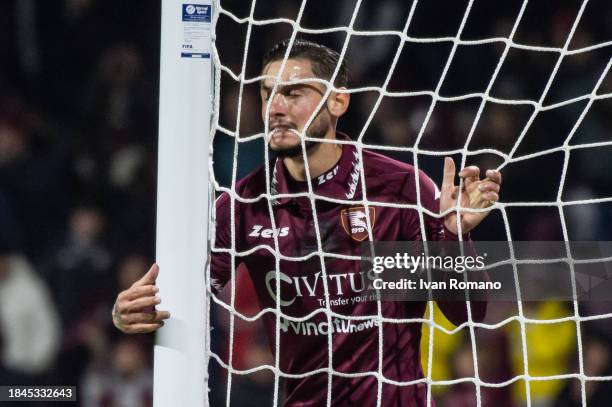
<point>183,198</point>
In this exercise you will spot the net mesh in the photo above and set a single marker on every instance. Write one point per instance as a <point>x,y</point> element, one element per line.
<point>507,43</point>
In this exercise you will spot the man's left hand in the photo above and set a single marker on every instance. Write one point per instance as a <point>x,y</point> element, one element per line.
<point>476,193</point>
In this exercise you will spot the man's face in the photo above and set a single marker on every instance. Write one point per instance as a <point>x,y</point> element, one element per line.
<point>292,106</point>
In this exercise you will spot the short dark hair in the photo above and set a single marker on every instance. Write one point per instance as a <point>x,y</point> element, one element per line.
<point>322,59</point>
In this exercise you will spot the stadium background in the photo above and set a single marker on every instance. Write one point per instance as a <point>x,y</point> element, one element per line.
<point>78,124</point>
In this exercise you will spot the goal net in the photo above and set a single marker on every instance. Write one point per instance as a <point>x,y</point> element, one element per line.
<point>523,87</point>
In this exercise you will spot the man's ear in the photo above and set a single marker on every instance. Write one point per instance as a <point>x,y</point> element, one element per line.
<point>338,103</point>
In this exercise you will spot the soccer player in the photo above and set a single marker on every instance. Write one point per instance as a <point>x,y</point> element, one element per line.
<point>335,172</point>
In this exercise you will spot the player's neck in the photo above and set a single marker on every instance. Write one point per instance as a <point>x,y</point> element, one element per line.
<point>321,158</point>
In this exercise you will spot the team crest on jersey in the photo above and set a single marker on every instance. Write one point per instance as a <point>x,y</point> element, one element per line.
<point>354,222</point>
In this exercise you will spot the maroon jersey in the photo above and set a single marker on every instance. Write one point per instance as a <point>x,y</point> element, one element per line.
<point>343,227</point>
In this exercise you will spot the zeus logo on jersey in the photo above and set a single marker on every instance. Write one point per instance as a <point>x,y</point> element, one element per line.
<point>326,177</point>
<point>259,231</point>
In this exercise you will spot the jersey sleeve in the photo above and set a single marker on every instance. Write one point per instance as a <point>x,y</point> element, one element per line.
<point>430,199</point>
<point>455,311</point>
<point>220,262</point>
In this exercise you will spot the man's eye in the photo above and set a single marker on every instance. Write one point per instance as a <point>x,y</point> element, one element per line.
<point>294,93</point>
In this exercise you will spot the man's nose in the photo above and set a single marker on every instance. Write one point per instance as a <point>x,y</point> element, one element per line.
<point>278,105</point>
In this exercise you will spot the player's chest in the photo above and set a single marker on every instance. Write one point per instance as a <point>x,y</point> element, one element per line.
<point>331,229</point>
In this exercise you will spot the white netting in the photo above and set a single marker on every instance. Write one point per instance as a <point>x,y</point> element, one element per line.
<point>508,43</point>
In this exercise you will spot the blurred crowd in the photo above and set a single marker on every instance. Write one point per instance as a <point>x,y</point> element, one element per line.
<point>78,133</point>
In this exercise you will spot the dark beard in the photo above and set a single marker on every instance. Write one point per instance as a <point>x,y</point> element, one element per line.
<point>317,131</point>
<point>296,151</point>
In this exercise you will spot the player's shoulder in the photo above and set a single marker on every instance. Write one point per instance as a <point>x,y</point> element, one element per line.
<point>376,164</point>
<point>250,186</point>
<point>396,176</point>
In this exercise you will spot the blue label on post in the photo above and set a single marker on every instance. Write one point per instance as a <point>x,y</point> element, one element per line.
<point>195,55</point>
<point>197,13</point>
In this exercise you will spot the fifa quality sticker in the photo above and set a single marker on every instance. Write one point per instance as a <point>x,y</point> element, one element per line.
<point>196,20</point>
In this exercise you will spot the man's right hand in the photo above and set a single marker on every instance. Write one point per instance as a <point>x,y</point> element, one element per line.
<point>134,311</point>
